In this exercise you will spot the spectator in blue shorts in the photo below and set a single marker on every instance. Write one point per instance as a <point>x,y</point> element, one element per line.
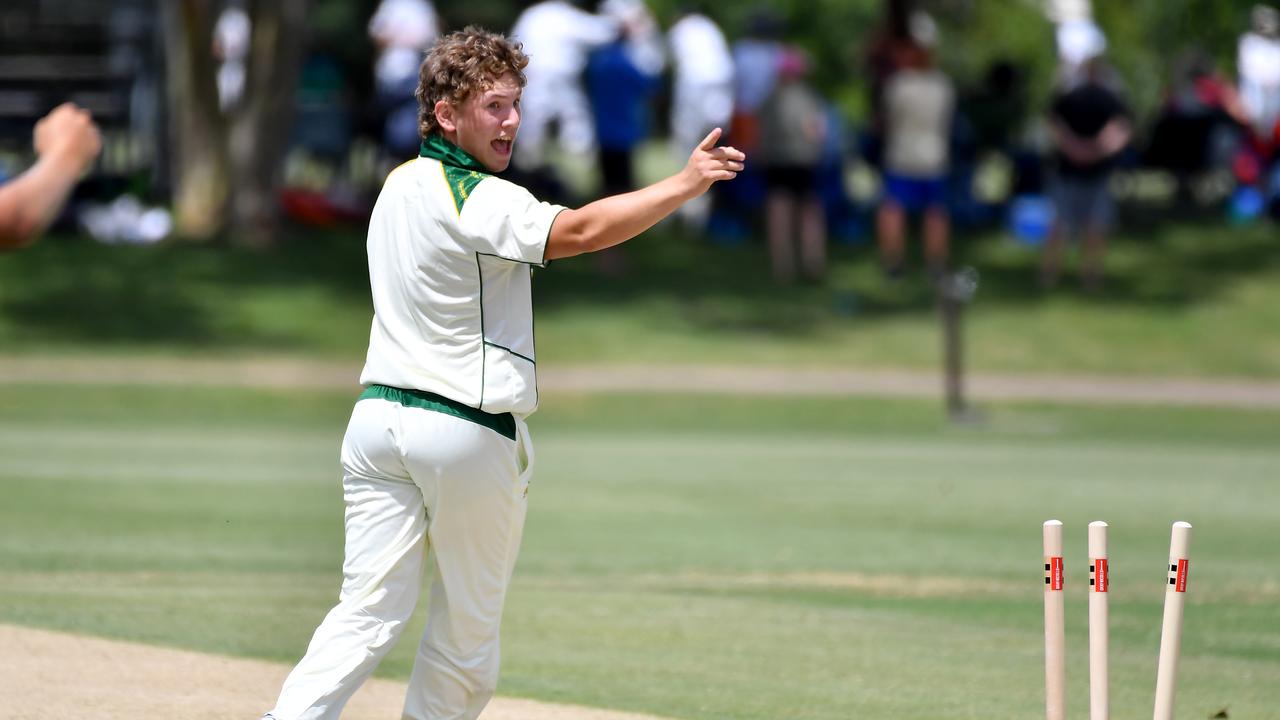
<point>918,104</point>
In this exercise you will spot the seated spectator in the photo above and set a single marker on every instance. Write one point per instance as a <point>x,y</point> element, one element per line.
<point>1196,121</point>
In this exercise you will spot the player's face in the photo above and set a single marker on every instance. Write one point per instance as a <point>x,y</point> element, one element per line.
<point>487,123</point>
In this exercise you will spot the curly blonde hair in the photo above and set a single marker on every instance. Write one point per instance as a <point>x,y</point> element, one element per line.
<point>462,63</point>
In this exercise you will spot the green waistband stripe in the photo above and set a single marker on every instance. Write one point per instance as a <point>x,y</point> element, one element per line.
<point>502,423</point>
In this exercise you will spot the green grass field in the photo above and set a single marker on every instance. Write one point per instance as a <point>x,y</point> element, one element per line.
<point>706,557</point>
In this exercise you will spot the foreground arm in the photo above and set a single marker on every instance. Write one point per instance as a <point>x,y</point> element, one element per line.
<point>613,220</point>
<point>66,143</point>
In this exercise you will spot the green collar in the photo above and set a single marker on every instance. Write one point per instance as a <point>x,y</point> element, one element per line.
<point>437,148</point>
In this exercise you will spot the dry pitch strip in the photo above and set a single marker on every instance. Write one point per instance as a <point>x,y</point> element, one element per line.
<point>1055,678</point>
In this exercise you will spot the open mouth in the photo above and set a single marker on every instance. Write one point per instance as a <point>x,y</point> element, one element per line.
<point>501,146</point>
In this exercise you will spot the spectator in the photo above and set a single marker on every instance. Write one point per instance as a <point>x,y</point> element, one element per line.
<point>622,78</point>
<point>884,54</point>
<point>402,30</point>
<point>231,36</point>
<point>1079,39</point>
<point>702,97</point>
<point>755,59</point>
<point>989,122</point>
<point>918,105</point>
<point>1090,126</point>
<point>66,144</point>
<point>557,36</point>
<point>1259,69</point>
<point>792,139</point>
<point>1195,129</point>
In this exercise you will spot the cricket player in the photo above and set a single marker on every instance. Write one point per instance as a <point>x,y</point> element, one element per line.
<point>437,453</point>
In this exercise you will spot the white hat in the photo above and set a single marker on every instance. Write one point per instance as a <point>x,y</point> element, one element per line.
<point>923,29</point>
<point>1080,41</point>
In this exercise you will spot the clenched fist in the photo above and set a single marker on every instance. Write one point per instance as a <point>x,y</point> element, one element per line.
<point>69,135</point>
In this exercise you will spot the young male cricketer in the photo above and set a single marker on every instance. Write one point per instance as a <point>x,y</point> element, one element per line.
<point>437,452</point>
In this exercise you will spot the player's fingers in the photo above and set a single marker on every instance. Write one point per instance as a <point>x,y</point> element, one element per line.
<point>734,166</point>
<point>731,153</point>
<point>709,141</point>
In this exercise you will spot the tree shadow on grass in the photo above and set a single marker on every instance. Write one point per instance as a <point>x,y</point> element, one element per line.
<point>730,289</point>
<point>67,289</point>
<point>1169,266</point>
<point>71,290</point>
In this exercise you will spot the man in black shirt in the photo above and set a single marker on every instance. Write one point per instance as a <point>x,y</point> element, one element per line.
<point>1090,126</point>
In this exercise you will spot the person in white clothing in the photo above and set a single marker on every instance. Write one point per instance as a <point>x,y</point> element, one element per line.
<point>437,453</point>
<point>231,37</point>
<point>402,30</point>
<point>702,93</point>
<point>557,37</point>
<point>1258,62</point>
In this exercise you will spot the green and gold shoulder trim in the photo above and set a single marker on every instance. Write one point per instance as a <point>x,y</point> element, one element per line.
<point>462,173</point>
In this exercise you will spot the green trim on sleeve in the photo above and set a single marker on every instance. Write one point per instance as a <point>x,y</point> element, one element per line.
<point>502,423</point>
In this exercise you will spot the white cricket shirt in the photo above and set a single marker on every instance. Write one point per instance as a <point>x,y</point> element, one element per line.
<point>450,255</point>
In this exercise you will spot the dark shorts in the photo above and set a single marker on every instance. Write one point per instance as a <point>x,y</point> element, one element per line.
<point>1083,203</point>
<point>915,194</point>
<point>798,180</point>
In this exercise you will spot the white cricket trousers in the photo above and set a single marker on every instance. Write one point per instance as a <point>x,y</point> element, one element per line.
<point>413,478</point>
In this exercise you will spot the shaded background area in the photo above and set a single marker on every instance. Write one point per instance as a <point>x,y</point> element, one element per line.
<point>1187,298</point>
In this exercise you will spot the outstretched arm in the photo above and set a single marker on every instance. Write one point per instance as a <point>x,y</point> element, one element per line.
<point>613,220</point>
<point>66,143</point>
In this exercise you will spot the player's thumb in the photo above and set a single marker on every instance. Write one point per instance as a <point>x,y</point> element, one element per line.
<point>709,141</point>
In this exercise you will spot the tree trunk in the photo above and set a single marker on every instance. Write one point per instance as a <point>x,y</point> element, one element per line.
<point>199,158</point>
<point>260,128</point>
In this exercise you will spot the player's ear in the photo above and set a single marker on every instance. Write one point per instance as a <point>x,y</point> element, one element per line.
<point>445,116</point>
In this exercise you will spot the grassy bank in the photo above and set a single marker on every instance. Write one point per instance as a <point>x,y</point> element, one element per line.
<point>1182,299</point>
